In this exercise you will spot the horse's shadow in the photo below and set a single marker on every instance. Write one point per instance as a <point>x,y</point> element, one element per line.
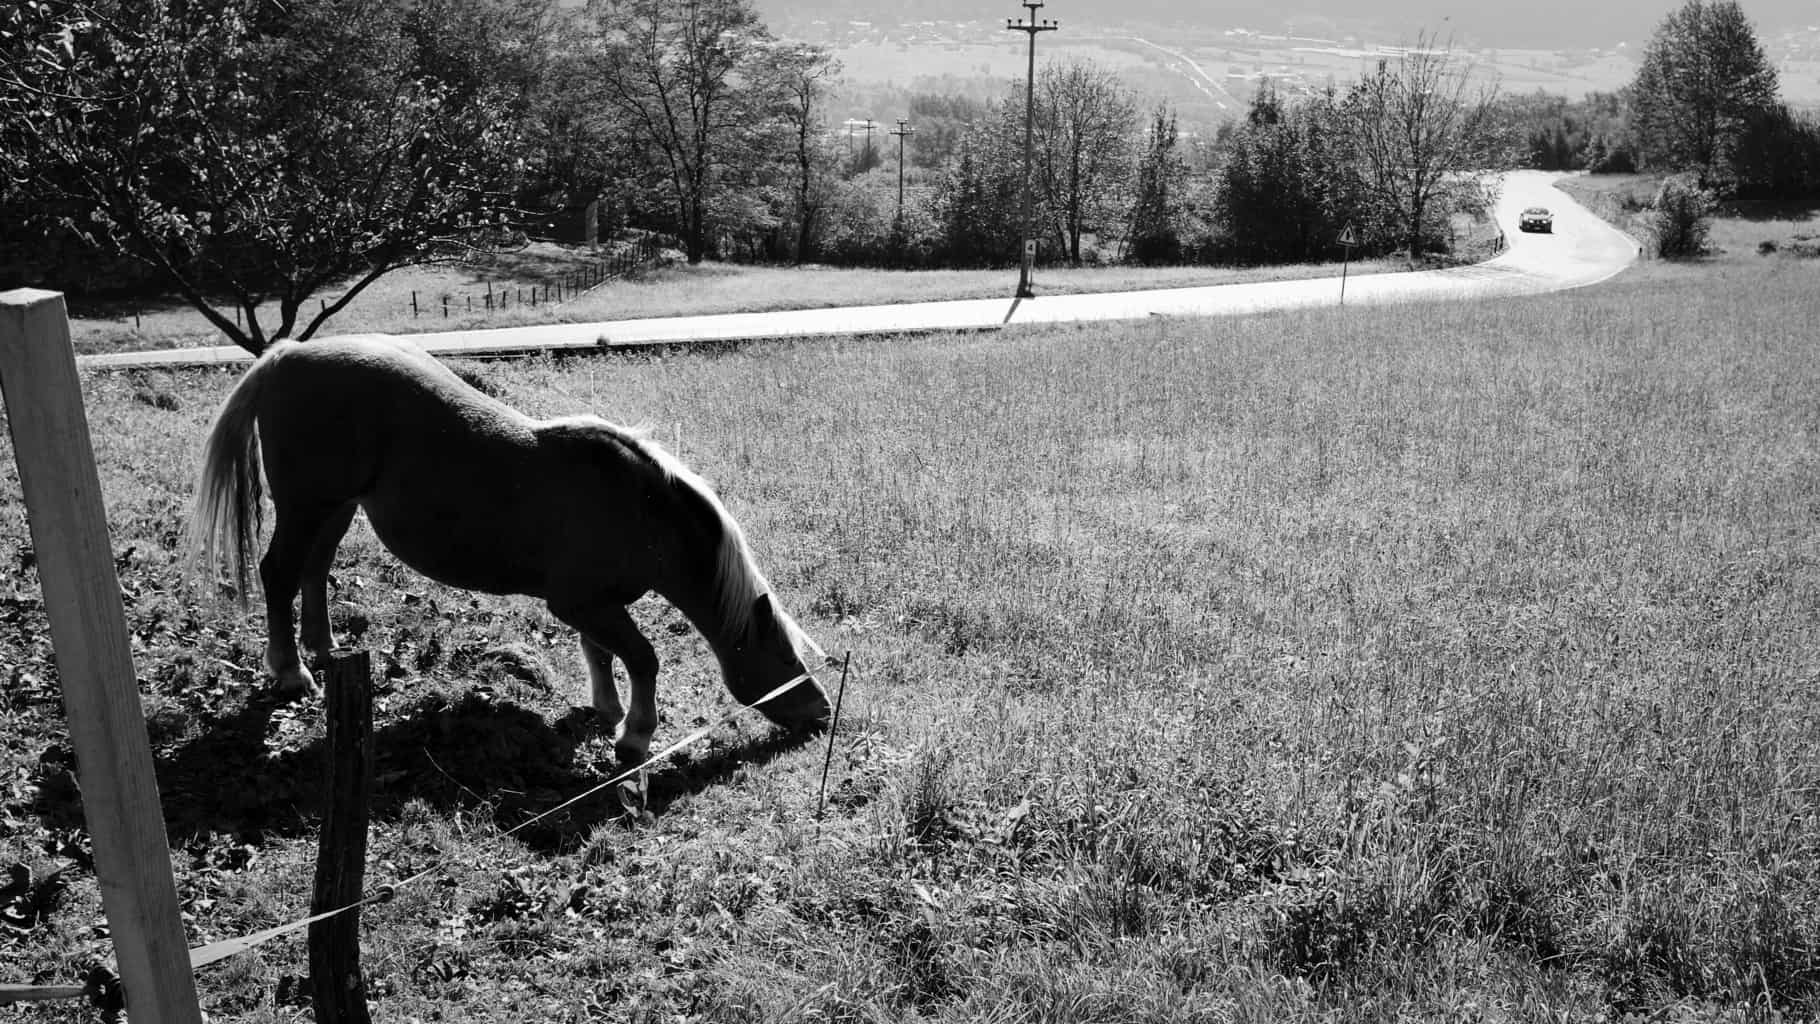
<point>472,753</point>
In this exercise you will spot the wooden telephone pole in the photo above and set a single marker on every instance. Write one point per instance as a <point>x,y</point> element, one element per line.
<point>1030,26</point>
<point>902,131</point>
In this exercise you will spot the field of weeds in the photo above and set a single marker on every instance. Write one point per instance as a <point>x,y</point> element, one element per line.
<point>1433,663</point>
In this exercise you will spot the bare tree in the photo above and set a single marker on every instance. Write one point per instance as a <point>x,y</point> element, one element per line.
<point>802,73</point>
<point>1084,125</point>
<point>1420,127</point>
<point>674,74</point>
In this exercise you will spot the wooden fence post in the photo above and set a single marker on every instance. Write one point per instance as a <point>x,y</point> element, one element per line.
<point>94,656</point>
<point>337,988</point>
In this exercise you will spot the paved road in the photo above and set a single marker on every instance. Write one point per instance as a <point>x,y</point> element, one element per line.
<point>1205,82</point>
<point>1583,250</point>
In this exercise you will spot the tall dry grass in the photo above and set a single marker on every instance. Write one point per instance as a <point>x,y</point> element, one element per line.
<point>1433,654</point>
<point>1433,663</point>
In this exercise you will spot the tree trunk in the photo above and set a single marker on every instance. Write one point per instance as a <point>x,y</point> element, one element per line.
<point>695,234</point>
<point>1418,208</point>
<point>802,192</point>
<point>1074,206</point>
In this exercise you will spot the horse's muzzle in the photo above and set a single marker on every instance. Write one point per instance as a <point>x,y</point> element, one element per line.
<point>803,707</point>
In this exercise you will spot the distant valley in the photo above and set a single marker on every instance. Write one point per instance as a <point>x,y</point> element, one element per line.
<point>1207,70</point>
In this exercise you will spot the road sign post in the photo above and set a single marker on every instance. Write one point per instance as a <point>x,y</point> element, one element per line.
<point>1348,238</point>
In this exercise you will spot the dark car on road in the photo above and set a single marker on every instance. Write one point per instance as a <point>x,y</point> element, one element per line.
<point>1537,218</point>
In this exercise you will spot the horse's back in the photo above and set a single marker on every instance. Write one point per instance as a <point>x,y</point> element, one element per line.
<point>367,419</point>
<point>372,376</point>
<point>460,486</point>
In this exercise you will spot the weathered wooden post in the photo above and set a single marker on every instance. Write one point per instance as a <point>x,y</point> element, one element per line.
<point>94,656</point>
<point>337,988</point>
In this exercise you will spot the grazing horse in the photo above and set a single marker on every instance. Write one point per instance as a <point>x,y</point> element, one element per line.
<point>470,492</point>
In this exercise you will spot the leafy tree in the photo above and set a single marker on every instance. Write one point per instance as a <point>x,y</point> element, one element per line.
<point>863,226</point>
<point>1154,235</point>
<point>867,158</point>
<point>1287,184</point>
<point>570,143</point>
<point>977,203</point>
<point>252,150</point>
<point>1546,131</point>
<point>1680,217</point>
<point>1702,79</point>
<point>1419,127</point>
<point>942,122</point>
<point>1777,155</point>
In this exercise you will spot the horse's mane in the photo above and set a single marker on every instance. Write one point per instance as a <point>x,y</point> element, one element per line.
<point>737,579</point>
<point>738,583</point>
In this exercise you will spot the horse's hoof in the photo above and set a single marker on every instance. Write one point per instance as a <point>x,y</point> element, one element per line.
<point>634,797</point>
<point>295,681</point>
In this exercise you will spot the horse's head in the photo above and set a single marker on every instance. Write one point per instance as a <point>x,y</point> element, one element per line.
<point>773,651</point>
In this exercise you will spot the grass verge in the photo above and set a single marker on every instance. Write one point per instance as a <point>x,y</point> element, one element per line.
<point>1744,234</point>
<point>670,289</point>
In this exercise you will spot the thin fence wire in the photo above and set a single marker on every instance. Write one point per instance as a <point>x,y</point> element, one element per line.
<point>102,986</point>
<point>551,290</point>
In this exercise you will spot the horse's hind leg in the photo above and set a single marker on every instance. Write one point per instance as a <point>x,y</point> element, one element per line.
<point>315,625</point>
<point>610,627</point>
<point>281,572</point>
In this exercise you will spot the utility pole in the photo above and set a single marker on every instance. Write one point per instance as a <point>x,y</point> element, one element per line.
<point>1030,27</point>
<point>902,130</point>
<point>854,124</point>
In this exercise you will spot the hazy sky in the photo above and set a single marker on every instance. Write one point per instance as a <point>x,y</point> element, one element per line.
<point>1546,23</point>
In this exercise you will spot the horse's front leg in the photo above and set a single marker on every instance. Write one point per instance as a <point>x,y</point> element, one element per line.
<point>610,627</point>
<point>600,680</point>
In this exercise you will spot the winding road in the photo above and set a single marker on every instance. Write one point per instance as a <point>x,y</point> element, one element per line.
<point>1583,250</point>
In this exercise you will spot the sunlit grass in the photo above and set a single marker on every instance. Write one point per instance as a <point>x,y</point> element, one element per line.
<point>412,300</point>
<point>1436,663</point>
<point>1746,237</point>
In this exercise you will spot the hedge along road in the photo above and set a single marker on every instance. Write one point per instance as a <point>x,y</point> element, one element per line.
<point>1583,250</point>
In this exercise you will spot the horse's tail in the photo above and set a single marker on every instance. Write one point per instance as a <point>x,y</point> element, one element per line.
<point>226,518</point>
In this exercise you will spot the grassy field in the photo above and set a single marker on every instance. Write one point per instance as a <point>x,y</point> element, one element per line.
<point>668,289</point>
<point>1433,663</point>
<point>1746,236</point>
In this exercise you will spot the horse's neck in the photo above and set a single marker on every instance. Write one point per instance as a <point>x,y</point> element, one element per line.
<point>698,596</point>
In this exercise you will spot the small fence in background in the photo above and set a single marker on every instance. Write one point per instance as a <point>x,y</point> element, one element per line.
<point>553,289</point>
